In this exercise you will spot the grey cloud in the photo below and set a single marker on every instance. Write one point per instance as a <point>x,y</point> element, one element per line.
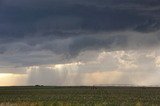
<point>52,50</point>
<point>129,40</point>
<point>21,17</point>
<point>67,28</point>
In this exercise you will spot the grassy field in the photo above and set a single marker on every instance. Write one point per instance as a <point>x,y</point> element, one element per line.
<point>82,96</point>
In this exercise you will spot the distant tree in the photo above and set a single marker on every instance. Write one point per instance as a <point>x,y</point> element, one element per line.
<point>39,85</point>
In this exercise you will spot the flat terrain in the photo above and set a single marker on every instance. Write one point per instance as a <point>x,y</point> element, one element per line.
<point>73,96</point>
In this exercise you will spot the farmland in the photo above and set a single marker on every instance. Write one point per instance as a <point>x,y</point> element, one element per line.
<point>73,96</point>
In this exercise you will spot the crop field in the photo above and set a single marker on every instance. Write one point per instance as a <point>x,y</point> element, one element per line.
<point>79,96</point>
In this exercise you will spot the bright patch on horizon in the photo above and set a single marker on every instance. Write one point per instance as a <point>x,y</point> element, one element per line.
<point>8,79</point>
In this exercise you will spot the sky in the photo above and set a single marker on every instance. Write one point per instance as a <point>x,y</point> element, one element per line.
<point>80,42</point>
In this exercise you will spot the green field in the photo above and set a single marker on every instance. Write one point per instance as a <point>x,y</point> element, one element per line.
<point>83,96</point>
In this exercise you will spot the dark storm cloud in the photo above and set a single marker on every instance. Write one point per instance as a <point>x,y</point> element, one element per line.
<point>83,43</point>
<point>73,26</point>
<point>18,18</point>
